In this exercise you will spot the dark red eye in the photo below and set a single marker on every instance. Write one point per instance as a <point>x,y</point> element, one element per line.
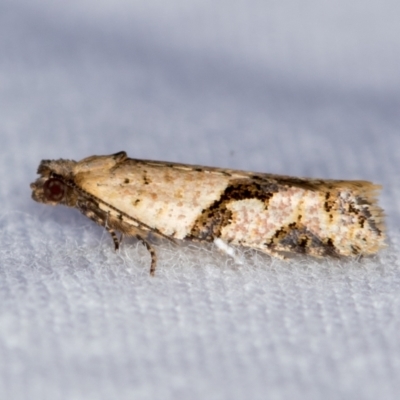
<point>54,189</point>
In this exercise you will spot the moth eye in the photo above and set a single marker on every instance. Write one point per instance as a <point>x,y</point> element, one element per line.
<point>54,189</point>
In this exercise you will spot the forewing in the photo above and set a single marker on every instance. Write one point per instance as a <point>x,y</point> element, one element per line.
<point>165,197</point>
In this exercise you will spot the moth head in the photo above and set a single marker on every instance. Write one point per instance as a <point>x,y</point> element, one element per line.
<point>51,188</point>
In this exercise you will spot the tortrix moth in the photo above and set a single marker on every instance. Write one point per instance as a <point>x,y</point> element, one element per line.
<point>279,215</point>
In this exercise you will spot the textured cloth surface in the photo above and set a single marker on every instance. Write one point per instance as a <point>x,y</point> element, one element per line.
<point>305,88</point>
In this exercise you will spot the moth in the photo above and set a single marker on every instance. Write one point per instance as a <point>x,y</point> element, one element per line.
<point>279,215</point>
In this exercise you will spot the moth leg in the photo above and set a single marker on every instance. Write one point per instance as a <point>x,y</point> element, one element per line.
<point>226,249</point>
<point>91,210</point>
<point>152,252</point>
<point>114,237</point>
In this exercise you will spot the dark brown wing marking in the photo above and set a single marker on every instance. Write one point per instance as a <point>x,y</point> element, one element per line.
<point>211,221</point>
<point>298,239</point>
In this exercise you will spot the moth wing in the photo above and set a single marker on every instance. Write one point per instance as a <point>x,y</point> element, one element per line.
<point>165,197</point>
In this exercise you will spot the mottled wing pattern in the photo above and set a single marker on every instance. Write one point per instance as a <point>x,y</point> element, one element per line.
<point>275,214</point>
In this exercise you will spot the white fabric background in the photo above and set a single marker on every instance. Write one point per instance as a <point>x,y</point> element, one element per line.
<point>308,88</point>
